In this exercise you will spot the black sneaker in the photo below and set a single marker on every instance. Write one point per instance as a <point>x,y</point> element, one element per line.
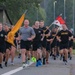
<point>68,55</point>
<point>50,54</point>
<point>70,58</point>
<point>1,66</point>
<point>19,56</point>
<point>54,57</point>
<point>44,61</point>
<point>63,59</point>
<point>5,64</point>
<point>65,62</point>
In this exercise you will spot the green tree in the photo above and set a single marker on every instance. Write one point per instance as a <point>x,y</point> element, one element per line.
<point>59,6</point>
<point>16,8</point>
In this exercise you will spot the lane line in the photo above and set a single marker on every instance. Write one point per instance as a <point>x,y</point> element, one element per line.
<point>16,70</point>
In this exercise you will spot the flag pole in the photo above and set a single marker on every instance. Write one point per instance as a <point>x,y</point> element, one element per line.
<point>17,26</point>
<point>50,26</point>
<point>55,36</point>
<point>25,11</point>
<point>57,31</point>
<point>52,23</point>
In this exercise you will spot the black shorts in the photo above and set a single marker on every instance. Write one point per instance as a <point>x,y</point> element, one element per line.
<point>8,45</point>
<point>36,45</point>
<point>63,46</point>
<point>53,45</point>
<point>57,44</point>
<point>48,47</point>
<point>70,44</point>
<point>15,42</point>
<point>44,43</point>
<point>25,45</point>
<point>2,48</point>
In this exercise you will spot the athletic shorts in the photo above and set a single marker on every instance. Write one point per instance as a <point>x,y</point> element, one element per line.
<point>63,46</point>
<point>8,45</point>
<point>70,44</point>
<point>2,48</point>
<point>44,43</point>
<point>25,45</point>
<point>48,47</point>
<point>53,45</point>
<point>36,45</point>
<point>57,43</point>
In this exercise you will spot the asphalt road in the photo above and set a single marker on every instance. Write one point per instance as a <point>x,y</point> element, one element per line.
<point>55,67</point>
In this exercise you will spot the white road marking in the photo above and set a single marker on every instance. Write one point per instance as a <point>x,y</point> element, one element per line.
<point>15,70</point>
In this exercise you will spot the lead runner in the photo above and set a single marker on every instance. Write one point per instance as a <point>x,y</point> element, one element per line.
<point>27,34</point>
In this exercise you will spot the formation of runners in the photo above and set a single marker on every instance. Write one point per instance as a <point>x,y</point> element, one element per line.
<point>38,42</point>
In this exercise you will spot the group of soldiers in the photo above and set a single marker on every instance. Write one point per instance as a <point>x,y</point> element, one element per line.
<point>37,41</point>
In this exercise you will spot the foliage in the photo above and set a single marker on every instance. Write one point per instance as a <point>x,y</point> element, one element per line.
<point>35,12</point>
<point>43,13</point>
<point>16,8</point>
<point>59,8</point>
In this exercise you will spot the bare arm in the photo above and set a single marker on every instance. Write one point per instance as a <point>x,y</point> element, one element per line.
<point>58,38</point>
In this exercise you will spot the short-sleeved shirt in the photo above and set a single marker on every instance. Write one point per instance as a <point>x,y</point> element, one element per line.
<point>53,35</point>
<point>16,34</point>
<point>2,37</point>
<point>49,37</point>
<point>38,33</point>
<point>26,33</point>
<point>64,36</point>
<point>44,31</point>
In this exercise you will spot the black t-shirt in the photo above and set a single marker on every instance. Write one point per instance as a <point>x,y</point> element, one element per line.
<point>72,39</point>
<point>49,37</point>
<point>44,31</point>
<point>64,36</point>
<point>38,33</point>
<point>7,32</point>
<point>2,37</point>
<point>16,34</point>
<point>53,35</point>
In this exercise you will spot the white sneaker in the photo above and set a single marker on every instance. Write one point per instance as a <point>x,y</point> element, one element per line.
<point>24,65</point>
<point>65,62</point>
<point>12,63</point>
